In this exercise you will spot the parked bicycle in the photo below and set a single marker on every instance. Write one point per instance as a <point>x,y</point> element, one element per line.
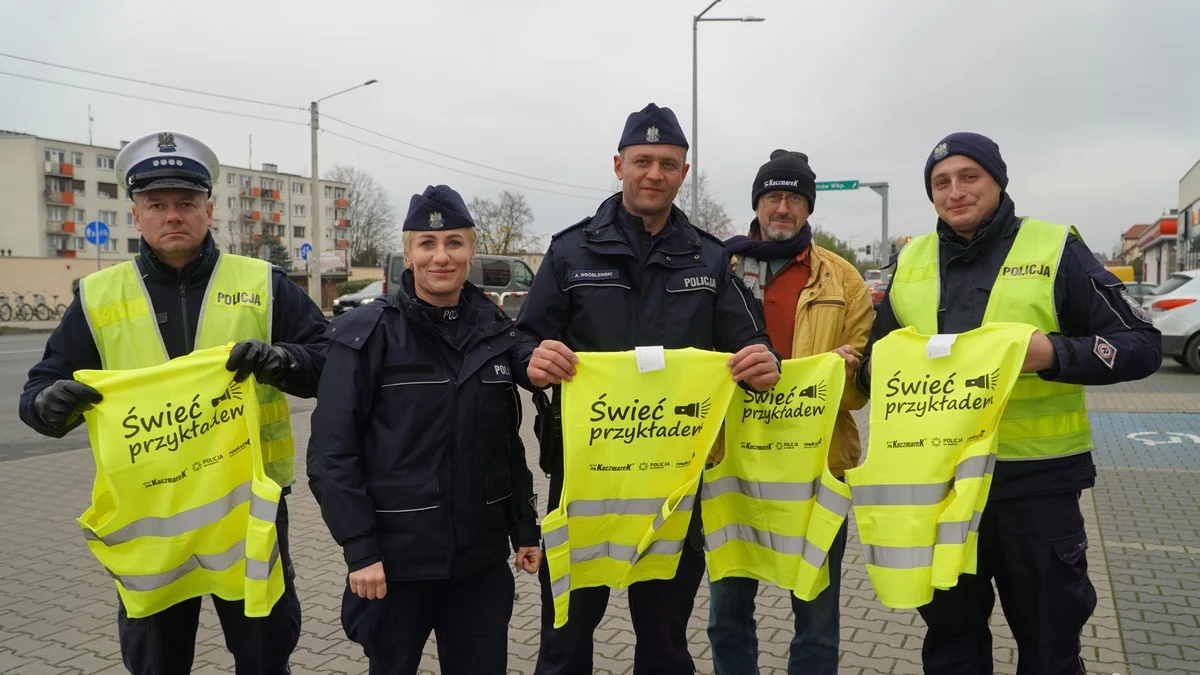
<point>6,310</point>
<point>41,310</point>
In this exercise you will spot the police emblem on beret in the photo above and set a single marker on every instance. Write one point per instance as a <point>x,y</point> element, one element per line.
<point>166,142</point>
<point>941,151</point>
<point>1105,352</point>
<point>651,134</point>
<point>436,221</point>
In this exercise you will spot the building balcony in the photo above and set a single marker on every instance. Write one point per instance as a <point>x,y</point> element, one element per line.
<point>60,227</point>
<point>342,244</point>
<point>60,169</point>
<point>62,252</point>
<point>341,222</point>
<point>272,195</point>
<point>251,215</point>
<point>59,197</point>
<point>276,217</point>
<point>341,203</point>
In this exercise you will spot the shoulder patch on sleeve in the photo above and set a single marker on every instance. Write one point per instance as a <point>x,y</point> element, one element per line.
<point>1104,351</point>
<point>1138,313</point>
<point>353,328</point>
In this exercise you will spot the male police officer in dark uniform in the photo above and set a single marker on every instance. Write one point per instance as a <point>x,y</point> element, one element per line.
<point>637,273</point>
<point>169,177</point>
<point>992,265</point>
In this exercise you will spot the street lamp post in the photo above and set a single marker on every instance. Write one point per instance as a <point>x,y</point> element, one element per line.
<point>695,101</point>
<point>318,236</point>
<point>885,246</point>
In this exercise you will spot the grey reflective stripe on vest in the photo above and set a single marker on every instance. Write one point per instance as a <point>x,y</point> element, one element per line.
<point>624,553</point>
<point>956,532</point>
<point>922,494</point>
<point>216,562</point>
<point>561,586</point>
<point>975,467</point>
<point>191,519</point>
<point>785,544</point>
<point>776,492</point>
<point>833,501</point>
<point>898,557</point>
<point>554,538</point>
<point>645,506</point>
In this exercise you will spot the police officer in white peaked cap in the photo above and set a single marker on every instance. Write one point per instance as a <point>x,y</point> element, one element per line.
<point>177,275</point>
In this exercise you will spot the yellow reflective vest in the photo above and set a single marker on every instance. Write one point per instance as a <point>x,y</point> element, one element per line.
<point>237,306</point>
<point>181,506</point>
<point>919,493</point>
<point>634,447</point>
<point>1043,419</point>
<point>759,501</point>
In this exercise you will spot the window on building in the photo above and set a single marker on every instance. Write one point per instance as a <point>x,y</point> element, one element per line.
<point>80,216</point>
<point>339,193</point>
<point>247,181</point>
<point>56,213</point>
<point>230,178</point>
<point>58,184</point>
<point>233,203</point>
<point>129,218</point>
<point>77,158</point>
<point>110,246</point>
<point>298,232</point>
<point>297,188</point>
<point>247,204</point>
<point>266,184</point>
<point>328,213</point>
<point>80,243</point>
<point>106,190</point>
<point>108,217</point>
<point>297,209</point>
<point>55,155</point>
<point>131,245</point>
<point>328,191</point>
<point>106,162</point>
<point>77,186</point>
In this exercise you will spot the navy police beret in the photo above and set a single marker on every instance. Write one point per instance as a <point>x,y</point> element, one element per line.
<point>652,125</point>
<point>438,208</point>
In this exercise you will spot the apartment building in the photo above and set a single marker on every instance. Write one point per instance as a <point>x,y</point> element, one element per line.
<point>50,190</point>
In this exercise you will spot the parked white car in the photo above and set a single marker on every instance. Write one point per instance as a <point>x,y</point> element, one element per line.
<point>1175,309</point>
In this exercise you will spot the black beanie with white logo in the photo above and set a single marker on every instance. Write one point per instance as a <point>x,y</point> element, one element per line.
<point>788,171</point>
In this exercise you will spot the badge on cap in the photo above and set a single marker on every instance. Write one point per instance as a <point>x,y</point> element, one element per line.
<point>436,221</point>
<point>941,151</point>
<point>166,142</point>
<point>651,134</point>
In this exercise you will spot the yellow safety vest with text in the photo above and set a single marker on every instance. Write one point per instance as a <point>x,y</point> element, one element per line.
<point>634,447</point>
<point>759,501</point>
<point>919,492</point>
<point>237,306</point>
<point>1043,419</point>
<point>181,506</point>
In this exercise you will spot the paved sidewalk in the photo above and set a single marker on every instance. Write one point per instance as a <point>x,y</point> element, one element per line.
<point>57,612</point>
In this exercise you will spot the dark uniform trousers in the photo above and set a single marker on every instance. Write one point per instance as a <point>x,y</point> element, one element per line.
<point>1035,548</point>
<point>165,643</point>
<point>659,610</point>
<point>469,615</point>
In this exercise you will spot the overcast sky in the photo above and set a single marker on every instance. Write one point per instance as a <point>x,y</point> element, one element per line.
<point>1095,105</point>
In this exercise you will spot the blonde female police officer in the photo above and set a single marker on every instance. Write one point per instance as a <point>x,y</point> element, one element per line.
<point>169,177</point>
<point>417,461</point>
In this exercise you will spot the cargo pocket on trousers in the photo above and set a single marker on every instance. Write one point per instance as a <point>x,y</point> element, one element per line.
<point>1078,597</point>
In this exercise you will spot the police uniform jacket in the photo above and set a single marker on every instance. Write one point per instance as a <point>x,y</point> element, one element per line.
<point>606,285</point>
<point>1092,306</point>
<point>177,297</point>
<point>415,456</point>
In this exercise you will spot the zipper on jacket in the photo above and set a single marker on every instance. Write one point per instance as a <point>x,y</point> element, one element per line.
<point>187,340</point>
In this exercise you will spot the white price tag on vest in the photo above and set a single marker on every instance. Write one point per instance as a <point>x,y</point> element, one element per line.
<point>939,345</point>
<point>650,359</point>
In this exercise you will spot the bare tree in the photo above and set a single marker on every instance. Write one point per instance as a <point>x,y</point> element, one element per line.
<point>712,217</point>
<point>504,226</point>
<point>373,231</point>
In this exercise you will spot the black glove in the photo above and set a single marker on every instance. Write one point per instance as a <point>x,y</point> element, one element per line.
<point>59,404</point>
<point>269,364</point>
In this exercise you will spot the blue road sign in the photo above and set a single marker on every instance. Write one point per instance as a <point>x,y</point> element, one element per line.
<point>305,249</point>
<point>96,232</point>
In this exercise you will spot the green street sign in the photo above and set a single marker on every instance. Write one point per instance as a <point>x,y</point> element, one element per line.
<point>838,185</point>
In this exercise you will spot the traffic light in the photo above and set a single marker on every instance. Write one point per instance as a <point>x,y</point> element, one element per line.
<point>868,249</point>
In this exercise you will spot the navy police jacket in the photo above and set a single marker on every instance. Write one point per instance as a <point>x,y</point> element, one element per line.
<point>177,297</point>
<point>415,456</point>
<point>1093,308</point>
<point>605,285</point>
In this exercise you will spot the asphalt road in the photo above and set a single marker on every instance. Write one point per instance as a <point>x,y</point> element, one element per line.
<point>18,352</point>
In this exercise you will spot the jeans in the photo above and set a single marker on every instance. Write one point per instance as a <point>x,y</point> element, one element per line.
<point>731,624</point>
